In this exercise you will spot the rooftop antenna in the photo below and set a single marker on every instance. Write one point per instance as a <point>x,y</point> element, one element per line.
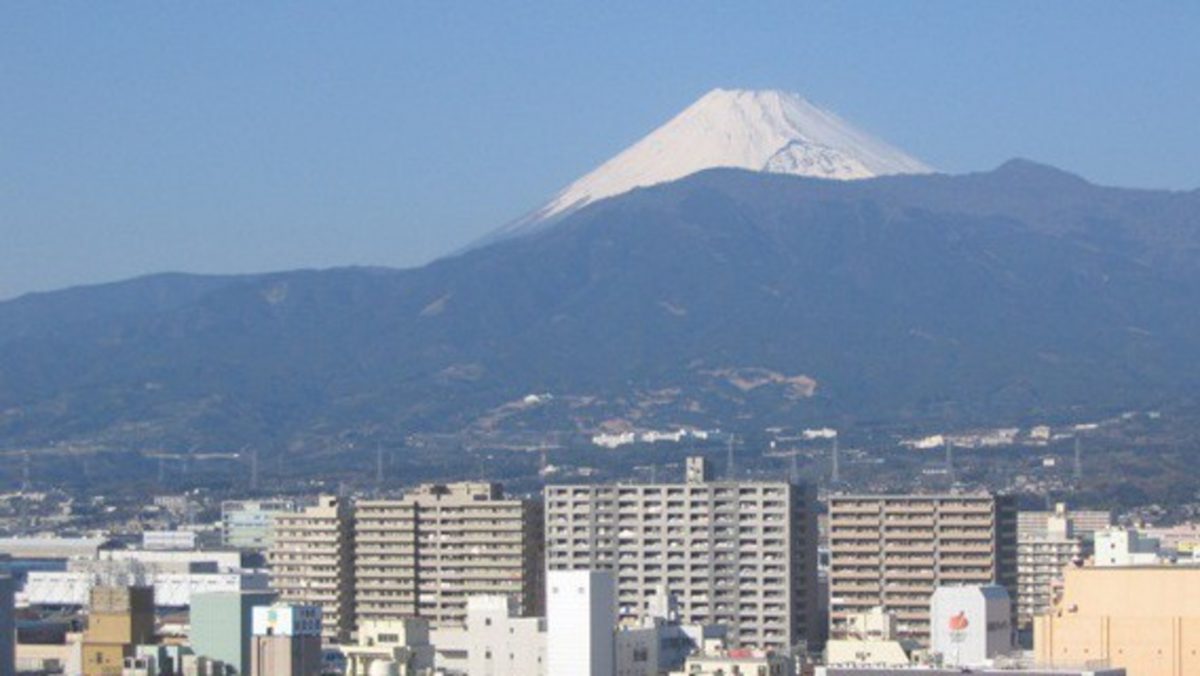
<point>836,475</point>
<point>1078,469</point>
<point>794,472</point>
<point>730,467</point>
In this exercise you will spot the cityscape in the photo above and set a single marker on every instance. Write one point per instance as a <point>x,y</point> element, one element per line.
<point>533,339</point>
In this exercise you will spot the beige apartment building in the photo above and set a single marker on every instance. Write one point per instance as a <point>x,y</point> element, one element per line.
<point>312,563</point>
<point>737,553</point>
<point>892,551</point>
<point>1084,522</point>
<point>1145,619</point>
<point>424,554</point>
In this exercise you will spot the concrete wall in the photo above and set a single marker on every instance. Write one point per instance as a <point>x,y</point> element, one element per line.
<point>1144,619</point>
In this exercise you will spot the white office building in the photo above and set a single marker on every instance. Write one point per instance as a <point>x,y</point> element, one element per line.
<point>971,625</point>
<point>1125,547</point>
<point>581,614</point>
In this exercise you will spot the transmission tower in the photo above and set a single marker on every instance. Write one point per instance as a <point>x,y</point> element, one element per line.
<point>730,467</point>
<point>1078,468</point>
<point>836,475</point>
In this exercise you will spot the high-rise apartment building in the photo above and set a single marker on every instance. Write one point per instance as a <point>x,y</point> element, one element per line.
<point>892,551</point>
<point>1084,522</point>
<point>1043,552</point>
<point>312,563</point>
<point>424,554</point>
<point>737,553</point>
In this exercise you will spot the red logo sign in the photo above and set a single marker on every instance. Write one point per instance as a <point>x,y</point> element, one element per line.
<point>959,622</point>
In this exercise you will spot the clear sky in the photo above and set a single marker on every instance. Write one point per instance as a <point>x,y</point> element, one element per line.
<point>244,136</point>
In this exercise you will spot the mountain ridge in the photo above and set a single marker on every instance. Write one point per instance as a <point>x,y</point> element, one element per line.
<point>729,297</point>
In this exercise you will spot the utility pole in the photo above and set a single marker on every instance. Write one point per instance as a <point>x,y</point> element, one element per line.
<point>1078,469</point>
<point>254,470</point>
<point>836,474</point>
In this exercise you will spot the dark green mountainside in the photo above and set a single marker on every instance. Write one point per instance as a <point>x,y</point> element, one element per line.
<point>725,298</point>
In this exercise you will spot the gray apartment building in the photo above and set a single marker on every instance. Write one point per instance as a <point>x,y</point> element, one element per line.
<point>892,551</point>
<point>737,553</point>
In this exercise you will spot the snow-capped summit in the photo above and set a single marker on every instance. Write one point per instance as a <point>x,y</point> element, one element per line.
<point>764,130</point>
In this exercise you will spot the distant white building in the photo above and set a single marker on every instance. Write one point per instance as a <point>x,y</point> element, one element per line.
<point>500,641</point>
<point>1124,547</point>
<point>581,613</point>
<point>175,576</point>
<point>971,625</point>
<point>250,524</point>
<point>169,540</point>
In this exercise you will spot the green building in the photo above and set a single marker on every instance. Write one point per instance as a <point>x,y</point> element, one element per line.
<point>221,625</point>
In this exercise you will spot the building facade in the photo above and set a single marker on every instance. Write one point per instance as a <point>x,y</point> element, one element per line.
<point>1042,555</point>
<point>221,626</point>
<point>250,524</point>
<point>581,618</point>
<point>735,553</point>
<point>1145,619</point>
<point>312,563</point>
<point>423,555</point>
<point>119,620</point>
<point>286,640</point>
<point>893,551</point>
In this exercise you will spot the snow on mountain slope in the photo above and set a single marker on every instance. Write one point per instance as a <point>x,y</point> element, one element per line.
<point>766,130</point>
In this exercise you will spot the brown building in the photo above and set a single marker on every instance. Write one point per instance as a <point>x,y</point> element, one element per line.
<point>424,554</point>
<point>1145,619</point>
<point>119,619</point>
<point>312,563</point>
<point>892,551</point>
<point>285,656</point>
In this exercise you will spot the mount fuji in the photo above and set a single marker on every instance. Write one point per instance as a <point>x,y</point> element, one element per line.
<point>767,131</point>
<point>724,271</point>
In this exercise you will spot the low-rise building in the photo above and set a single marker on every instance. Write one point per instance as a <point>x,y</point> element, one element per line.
<point>391,646</point>
<point>119,619</point>
<point>287,640</point>
<point>222,625</point>
<point>717,660</point>
<point>1124,547</point>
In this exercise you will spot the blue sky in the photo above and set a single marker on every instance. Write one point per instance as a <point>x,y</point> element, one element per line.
<point>241,137</point>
